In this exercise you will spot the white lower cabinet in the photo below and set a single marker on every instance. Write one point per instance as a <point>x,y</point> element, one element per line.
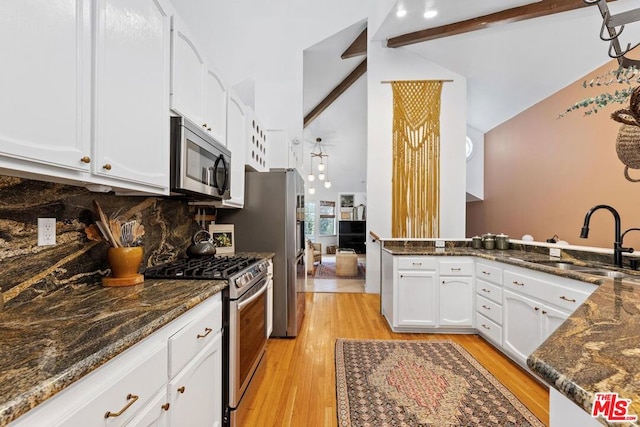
<point>456,304</point>
<point>192,399</point>
<point>416,298</point>
<point>456,293</point>
<point>136,388</point>
<point>154,413</point>
<point>527,323</point>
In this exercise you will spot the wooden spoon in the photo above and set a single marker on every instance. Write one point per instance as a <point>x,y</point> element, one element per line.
<point>103,218</point>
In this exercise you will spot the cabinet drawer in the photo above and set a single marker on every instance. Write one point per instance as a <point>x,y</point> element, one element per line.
<point>526,284</point>
<point>185,344</point>
<point>566,297</point>
<point>489,273</point>
<point>417,263</point>
<point>489,290</point>
<point>456,267</point>
<point>128,392</point>
<point>489,329</point>
<point>489,309</point>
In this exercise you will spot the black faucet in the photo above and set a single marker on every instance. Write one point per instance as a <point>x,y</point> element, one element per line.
<point>633,262</point>
<point>617,243</point>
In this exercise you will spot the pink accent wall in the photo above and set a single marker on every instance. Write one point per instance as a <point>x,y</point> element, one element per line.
<point>542,174</point>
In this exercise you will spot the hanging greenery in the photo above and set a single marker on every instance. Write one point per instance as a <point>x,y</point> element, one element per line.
<point>629,76</point>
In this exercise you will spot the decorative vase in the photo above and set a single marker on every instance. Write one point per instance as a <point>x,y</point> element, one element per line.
<point>124,263</point>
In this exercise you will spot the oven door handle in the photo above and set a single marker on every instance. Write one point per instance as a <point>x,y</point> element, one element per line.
<point>253,297</point>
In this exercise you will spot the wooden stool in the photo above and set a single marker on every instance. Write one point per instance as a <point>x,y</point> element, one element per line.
<point>346,263</point>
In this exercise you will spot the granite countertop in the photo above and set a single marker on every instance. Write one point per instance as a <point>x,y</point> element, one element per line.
<point>597,349</point>
<point>56,339</point>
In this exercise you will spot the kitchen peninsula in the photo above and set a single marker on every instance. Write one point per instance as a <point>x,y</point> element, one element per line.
<point>592,348</point>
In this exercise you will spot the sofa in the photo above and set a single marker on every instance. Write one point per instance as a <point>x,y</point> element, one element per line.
<point>313,255</point>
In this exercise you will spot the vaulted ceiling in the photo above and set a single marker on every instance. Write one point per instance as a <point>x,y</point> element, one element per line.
<point>513,53</point>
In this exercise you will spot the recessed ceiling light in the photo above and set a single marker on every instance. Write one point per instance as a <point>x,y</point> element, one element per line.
<point>401,12</point>
<point>430,13</point>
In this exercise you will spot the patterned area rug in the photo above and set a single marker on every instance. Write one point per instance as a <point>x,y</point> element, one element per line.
<point>420,383</point>
<point>327,270</point>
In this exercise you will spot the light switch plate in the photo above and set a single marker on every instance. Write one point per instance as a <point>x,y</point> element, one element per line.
<point>439,243</point>
<point>46,231</point>
<point>555,252</point>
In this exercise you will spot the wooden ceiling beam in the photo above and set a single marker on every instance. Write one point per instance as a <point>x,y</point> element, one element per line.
<point>336,92</point>
<point>521,13</point>
<point>358,47</point>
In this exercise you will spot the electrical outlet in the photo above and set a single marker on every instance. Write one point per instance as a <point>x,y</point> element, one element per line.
<point>439,243</point>
<point>555,252</point>
<point>46,231</point>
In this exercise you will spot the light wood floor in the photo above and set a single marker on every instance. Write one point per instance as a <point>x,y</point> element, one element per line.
<point>296,385</point>
<point>335,285</point>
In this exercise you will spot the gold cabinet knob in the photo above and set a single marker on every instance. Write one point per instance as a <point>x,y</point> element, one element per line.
<point>107,167</point>
<point>181,389</point>
<point>204,125</point>
<point>165,406</point>
<point>86,159</point>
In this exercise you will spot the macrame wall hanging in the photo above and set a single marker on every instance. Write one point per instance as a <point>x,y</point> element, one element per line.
<point>416,159</point>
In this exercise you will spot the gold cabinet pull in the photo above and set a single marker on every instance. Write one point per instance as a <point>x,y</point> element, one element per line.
<point>207,331</point>
<point>487,273</point>
<point>485,307</point>
<point>486,290</point>
<point>485,326</point>
<point>455,269</point>
<point>567,299</point>
<point>181,389</point>
<point>86,159</point>
<point>165,406</point>
<point>204,125</point>
<point>515,282</point>
<point>131,398</point>
<point>107,167</point>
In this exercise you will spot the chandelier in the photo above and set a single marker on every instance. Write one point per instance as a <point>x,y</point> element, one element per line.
<point>318,152</point>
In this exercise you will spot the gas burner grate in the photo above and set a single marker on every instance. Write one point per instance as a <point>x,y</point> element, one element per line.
<point>220,268</point>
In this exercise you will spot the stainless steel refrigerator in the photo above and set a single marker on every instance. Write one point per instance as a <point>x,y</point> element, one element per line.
<point>272,220</point>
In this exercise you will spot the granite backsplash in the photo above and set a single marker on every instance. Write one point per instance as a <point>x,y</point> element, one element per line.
<point>29,270</point>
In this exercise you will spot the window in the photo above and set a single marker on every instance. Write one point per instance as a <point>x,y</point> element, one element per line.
<point>310,221</point>
<point>468,148</point>
<point>327,223</point>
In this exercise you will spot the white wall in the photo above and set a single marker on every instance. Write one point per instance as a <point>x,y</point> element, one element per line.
<point>400,64</point>
<point>475,166</point>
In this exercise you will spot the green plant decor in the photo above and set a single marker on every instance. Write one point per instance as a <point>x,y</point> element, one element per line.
<point>628,76</point>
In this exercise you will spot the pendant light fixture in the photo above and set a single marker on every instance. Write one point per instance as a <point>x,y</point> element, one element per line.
<point>319,152</point>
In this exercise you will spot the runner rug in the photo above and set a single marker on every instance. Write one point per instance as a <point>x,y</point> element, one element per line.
<point>420,383</point>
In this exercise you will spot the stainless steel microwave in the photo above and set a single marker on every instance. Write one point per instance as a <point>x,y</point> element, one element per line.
<point>200,165</point>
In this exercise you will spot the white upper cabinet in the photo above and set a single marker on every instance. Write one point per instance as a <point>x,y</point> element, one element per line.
<point>215,104</point>
<point>187,74</point>
<point>45,82</point>
<point>236,135</point>
<point>132,91</point>
<point>85,92</point>
<point>198,92</point>
<point>256,144</point>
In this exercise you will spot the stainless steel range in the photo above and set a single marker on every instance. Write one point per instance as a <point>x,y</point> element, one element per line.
<point>244,316</point>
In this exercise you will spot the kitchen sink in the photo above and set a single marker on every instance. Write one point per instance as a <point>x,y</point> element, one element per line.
<point>607,273</point>
<point>585,269</point>
<point>564,265</point>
